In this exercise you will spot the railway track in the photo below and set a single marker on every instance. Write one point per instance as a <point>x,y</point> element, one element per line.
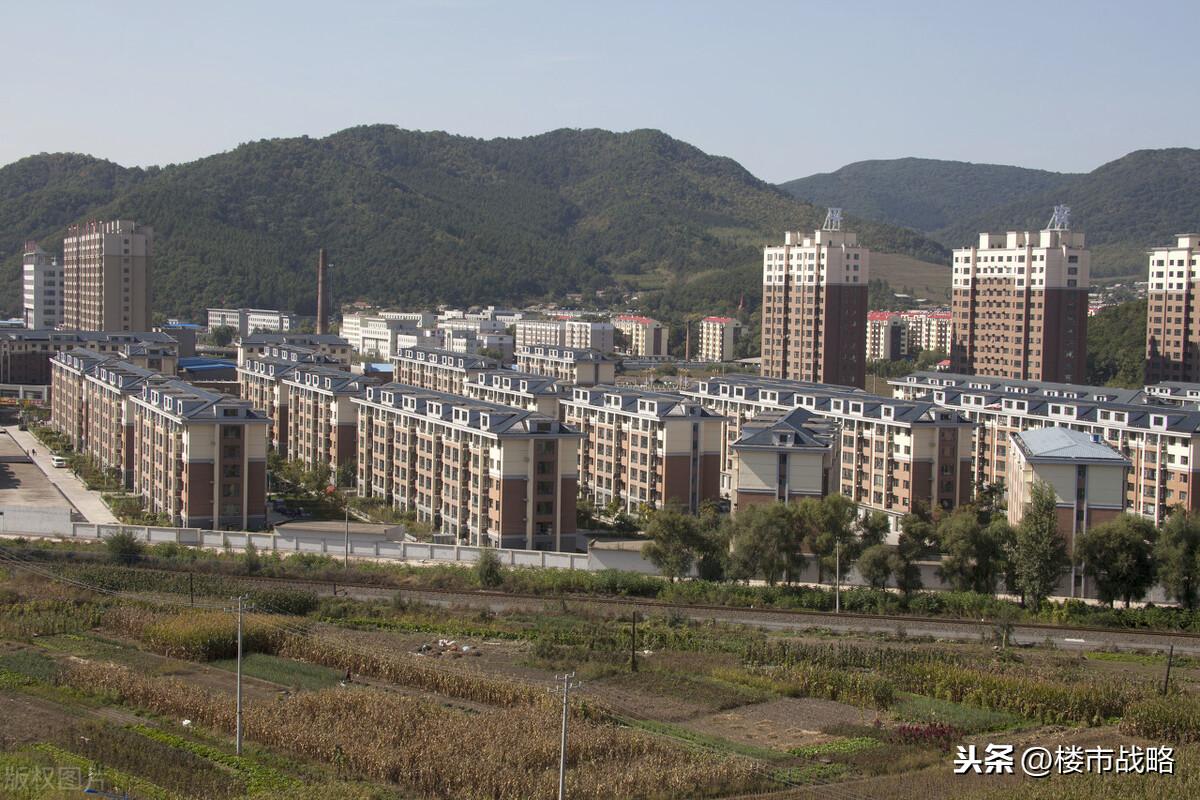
<point>1024,633</point>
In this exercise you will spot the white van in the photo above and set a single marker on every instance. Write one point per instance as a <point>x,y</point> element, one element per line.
<point>58,461</point>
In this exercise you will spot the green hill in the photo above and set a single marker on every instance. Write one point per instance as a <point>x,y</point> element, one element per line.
<point>924,194</point>
<point>1125,207</point>
<point>416,218</point>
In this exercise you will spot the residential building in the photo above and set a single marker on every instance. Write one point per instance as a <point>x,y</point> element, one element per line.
<point>717,335</point>
<point>532,332</point>
<point>328,344</point>
<point>643,448</point>
<point>889,455</point>
<point>69,370</point>
<point>1086,475</point>
<point>106,276</point>
<point>580,334</point>
<point>438,370</point>
<point>1162,442</point>
<point>1173,312</point>
<point>781,456</point>
<point>1019,304</point>
<point>251,320</point>
<point>887,336</point>
<point>260,381</point>
<point>25,354</point>
<point>109,391</point>
<point>482,473</point>
<point>567,365</point>
<point>470,342</point>
<point>322,420</point>
<point>373,336</point>
<point>927,330</point>
<point>643,337</point>
<point>200,458</point>
<point>42,281</point>
<point>814,317</point>
<point>522,390</point>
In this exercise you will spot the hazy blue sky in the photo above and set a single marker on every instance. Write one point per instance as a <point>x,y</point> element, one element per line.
<point>787,89</point>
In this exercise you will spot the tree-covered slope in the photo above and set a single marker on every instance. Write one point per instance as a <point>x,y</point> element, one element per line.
<point>922,193</point>
<point>1125,207</point>
<point>415,218</point>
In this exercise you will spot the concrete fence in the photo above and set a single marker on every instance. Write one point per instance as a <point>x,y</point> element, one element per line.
<point>334,545</point>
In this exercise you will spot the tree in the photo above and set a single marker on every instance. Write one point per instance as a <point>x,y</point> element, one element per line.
<point>222,335</point>
<point>766,542</point>
<point>1038,551</point>
<point>914,543</point>
<point>1119,555</point>
<point>675,542</point>
<point>123,547</point>
<point>875,565</point>
<point>488,570</point>
<point>828,529</point>
<point>975,554</point>
<point>1177,553</point>
<point>251,559</point>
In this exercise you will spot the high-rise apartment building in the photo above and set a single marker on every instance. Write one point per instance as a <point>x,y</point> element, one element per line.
<point>42,280</point>
<point>106,276</point>
<point>1019,304</point>
<point>814,317</point>
<point>1173,312</point>
<point>887,336</point>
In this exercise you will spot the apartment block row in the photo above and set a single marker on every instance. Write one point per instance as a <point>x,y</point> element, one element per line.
<point>246,321</point>
<point>887,455</point>
<point>1161,442</point>
<point>567,365</point>
<point>892,335</point>
<point>484,473</point>
<point>195,456</point>
<point>573,333</point>
<point>25,354</point>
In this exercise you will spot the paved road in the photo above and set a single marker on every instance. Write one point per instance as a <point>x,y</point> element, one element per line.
<point>86,502</point>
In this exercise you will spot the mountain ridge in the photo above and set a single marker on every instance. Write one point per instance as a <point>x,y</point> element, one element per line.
<point>417,218</point>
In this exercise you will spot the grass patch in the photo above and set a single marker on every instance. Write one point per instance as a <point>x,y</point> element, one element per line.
<point>920,709</point>
<point>258,778</point>
<point>110,778</point>
<point>707,741</point>
<point>284,671</point>
<point>856,744</point>
<point>30,665</point>
<point>1149,659</point>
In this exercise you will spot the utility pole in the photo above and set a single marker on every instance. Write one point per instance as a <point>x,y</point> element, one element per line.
<point>562,755</point>
<point>837,576</point>
<point>1167,678</point>
<point>239,676</point>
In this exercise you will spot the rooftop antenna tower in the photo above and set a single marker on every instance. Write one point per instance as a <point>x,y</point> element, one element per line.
<point>833,220</point>
<point>1061,219</point>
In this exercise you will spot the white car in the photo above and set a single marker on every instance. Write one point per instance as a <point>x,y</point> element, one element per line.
<point>58,461</point>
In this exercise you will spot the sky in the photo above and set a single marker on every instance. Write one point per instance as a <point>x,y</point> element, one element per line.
<point>786,89</point>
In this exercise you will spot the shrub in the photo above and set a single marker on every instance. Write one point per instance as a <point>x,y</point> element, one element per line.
<point>123,547</point>
<point>488,570</point>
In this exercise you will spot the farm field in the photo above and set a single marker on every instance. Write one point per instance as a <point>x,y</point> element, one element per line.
<point>397,699</point>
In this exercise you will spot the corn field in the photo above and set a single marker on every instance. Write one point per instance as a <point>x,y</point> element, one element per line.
<point>438,752</point>
<point>194,635</point>
<point>864,689</point>
<point>1174,719</point>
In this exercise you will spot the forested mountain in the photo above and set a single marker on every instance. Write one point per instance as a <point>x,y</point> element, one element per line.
<point>1125,206</point>
<point>416,218</point>
<point>924,194</point>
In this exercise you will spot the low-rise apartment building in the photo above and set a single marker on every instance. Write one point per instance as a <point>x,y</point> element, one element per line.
<point>889,455</point>
<point>109,393</point>
<point>523,390</point>
<point>25,355</point>
<point>717,335</point>
<point>887,336</point>
<point>643,337</point>
<point>251,320</point>
<point>781,456</point>
<point>567,365</point>
<point>581,334</point>
<point>260,381</point>
<point>1162,442</point>
<point>532,332</point>
<point>483,473</point>
<point>328,344</point>
<point>645,448</point>
<point>200,458</point>
<point>439,370</point>
<point>372,335</point>
<point>322,420</point>
<point>69,370</point>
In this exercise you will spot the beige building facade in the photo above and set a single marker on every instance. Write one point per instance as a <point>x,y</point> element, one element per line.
<point>106,276</point>
<point>1173,312</point>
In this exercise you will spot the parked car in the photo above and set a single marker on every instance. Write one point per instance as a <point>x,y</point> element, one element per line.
<point>58,461</point>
